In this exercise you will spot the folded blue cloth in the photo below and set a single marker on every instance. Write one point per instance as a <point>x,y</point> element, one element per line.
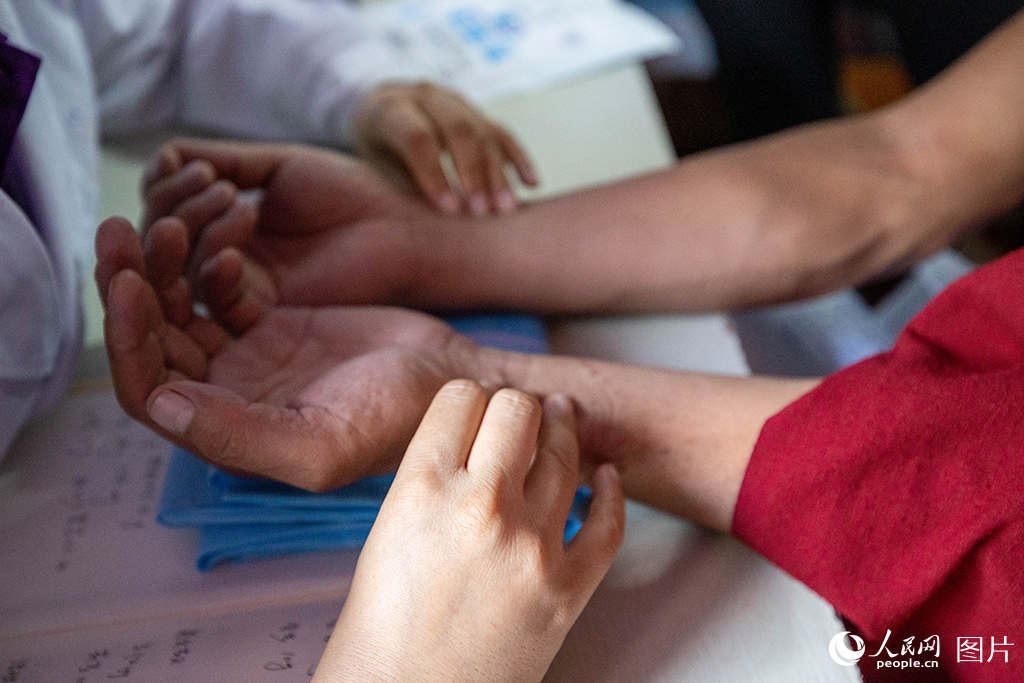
<point>243,519</point>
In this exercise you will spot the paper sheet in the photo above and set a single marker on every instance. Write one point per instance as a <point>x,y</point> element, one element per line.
<point>271,644</point>
<point>489,49</point>
<point>78,495</point>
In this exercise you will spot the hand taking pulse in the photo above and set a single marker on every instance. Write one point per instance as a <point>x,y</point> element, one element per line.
<point>465,577</point>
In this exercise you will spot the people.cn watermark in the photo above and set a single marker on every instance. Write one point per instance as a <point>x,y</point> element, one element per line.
<point>923,653</point>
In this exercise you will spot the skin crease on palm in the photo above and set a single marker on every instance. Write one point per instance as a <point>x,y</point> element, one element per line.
<point>288,384</point>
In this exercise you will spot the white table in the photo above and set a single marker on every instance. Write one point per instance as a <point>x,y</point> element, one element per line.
<point>680,603</point>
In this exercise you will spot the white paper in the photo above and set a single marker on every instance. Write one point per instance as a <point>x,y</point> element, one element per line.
<point>488,49</point>
<point>271,644</point>
<point>78,497</point>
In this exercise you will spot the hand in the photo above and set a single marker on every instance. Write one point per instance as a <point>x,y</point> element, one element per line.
<point>465,576</point>
<point>404,127</point>
<point>312,397</point>
<point>327,229</point>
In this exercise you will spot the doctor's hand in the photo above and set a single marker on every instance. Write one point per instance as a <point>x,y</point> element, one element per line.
<point>314,397</point>
<point>402,128</point>
<point>465,576</point>
<point>315,228</point>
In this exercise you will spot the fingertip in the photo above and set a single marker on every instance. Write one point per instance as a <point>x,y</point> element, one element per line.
<point>111,227</point>
<point>610,502</point>
<point>165,249</point>
<point>165,162</point>
<point>447,202</point>
<point>602,533</point>
<point>560,408</point>
<point>223,271</point>
<point>201,171</point>
<point>478,205</point>
<point>446,433</point>
<point>526,173</point>
<point>128,301</point>
<point>607,479</point>
<point>515,153</point>
<point>505,201</point>
<point>117,248</point>
<point>171,411</point>
<point>219,280</point>
<point>115,239</point>
<point>461,391</point>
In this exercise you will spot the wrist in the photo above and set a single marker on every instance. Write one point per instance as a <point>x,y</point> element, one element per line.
<point>680,441</point>
<point>438,251</point>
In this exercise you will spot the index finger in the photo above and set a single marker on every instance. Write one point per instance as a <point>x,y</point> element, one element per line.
<point>248,165</point>
<point>445,436</point>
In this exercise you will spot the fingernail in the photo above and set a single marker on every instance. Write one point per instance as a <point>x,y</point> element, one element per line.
<point>448,202</point>
<point>155,170</point>
<point>478,205</point>
<point>505,201</point>
<point>172,411</point>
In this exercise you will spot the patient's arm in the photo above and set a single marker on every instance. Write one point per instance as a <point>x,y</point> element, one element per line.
<point>320,396</point>
<point>791,215</point>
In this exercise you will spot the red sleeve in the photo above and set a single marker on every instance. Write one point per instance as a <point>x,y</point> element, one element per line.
<point>896,488</point>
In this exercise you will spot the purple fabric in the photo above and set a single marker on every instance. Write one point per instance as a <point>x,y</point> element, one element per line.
<point>17,75</point>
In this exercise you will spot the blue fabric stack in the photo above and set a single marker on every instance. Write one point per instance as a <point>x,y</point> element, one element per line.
<point>244,519</point>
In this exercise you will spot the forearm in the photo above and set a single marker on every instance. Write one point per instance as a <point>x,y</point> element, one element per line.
<point>781,218</point>
<point>681,441</point>
<point>963,132</point>
<point>793,215</point>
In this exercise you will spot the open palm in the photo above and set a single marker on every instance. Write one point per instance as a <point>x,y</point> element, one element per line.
<point>315,397</point>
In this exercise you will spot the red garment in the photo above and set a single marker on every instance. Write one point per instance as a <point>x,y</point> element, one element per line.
<point>896,488</point>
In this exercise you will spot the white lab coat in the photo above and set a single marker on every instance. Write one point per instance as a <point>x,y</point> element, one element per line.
<point>258,68</point>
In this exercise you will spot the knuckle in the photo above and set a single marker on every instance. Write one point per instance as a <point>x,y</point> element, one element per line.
<point>227,446</point>
<point>462,390</point>
<point>462,129</point>
<point>418,137</point>
<point>516,402</point>
<point>478,517</point>
<point>563,454</point>
<point>423,89</point>
<point>486,502</point>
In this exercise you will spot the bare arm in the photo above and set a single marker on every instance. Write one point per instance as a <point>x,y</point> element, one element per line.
<point>319,397</point>
<point>795,214</point>
<point>792,215</point>
<point>680,440</point>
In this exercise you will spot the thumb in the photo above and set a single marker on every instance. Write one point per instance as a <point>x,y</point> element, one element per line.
<point>304,447</point>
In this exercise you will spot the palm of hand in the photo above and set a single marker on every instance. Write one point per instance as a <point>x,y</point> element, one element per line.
<point>314,397</point>
<point>338,391</point>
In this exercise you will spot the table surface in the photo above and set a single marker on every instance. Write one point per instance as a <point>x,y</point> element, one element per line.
<point>680,603</point>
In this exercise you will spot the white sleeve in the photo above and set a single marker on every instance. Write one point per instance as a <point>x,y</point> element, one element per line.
<point>271,69</point>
